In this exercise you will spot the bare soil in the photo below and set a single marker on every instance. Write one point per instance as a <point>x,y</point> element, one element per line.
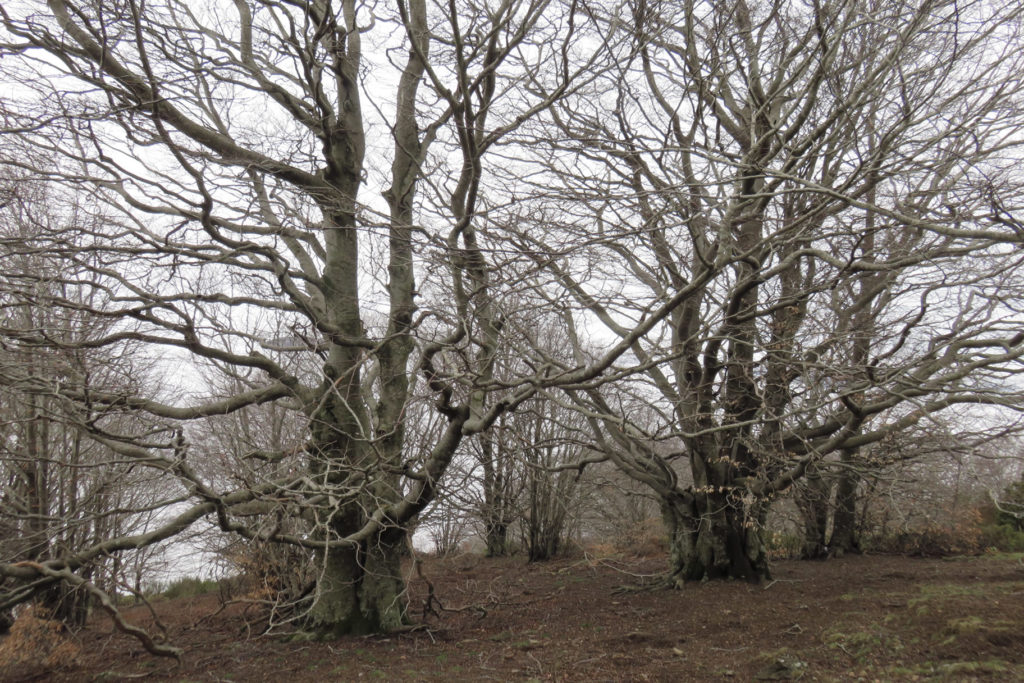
<point>860,618</point>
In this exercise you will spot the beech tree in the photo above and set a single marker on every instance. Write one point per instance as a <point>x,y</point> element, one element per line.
<point>517,464</point>
<point>796,223</point>
<point>526,477</point>
<point>829,195</point>
<point>937,472</point>
<point>230,145</point>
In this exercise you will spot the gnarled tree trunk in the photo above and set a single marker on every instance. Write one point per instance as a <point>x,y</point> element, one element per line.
<point>361,589</point>
<point>712,537</point>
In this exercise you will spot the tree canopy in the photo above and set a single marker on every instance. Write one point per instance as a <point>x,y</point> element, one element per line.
<point>763,237</point>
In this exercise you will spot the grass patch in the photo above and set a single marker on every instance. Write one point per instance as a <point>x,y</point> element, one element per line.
<point>974,627</point>
<point>942,591</point>
<point>864,645</point>
<point>953,670</point>
<point>935,597</point>
<point>1000,555</point>
<point>188,587</point>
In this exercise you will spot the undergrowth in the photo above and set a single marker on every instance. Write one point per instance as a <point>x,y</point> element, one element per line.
<point>35,645</point>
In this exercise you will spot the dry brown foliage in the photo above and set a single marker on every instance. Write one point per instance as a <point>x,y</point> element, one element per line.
<point>960,536</point>
<point>37,644</point>
<point>641,538</point>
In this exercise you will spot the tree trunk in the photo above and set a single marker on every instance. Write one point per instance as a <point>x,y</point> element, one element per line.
<point>812,499</point>
<point>844,526</point>
<point>67,604</point>
<point>720,543</point>
<point>361,590</point>
<point>545,539</point>
<point>496,537</point>
<point>495,514</point>
<point>546,520</point>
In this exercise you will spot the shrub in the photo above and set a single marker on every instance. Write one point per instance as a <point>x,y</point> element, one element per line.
<point>37,644</point>
<point>647,538</point>
<point>963,537</point>
<point>1002,537</point>
<point>275,573</point>
<point>644,538</point>
<point>189,587</point>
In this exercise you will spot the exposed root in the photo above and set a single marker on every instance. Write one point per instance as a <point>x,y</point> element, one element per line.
<point>431,604</point>
<point>647,583</point>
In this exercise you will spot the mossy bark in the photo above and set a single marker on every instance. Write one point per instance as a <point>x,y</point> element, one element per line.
<point>719,542</point>
<point>496,539</point>
<point>361,590</point>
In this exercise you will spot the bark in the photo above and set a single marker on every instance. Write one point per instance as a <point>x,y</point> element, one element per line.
<point>844,527</point>
<point>812,499</point>
<point>496,538</point>
<point>497,515</point>
<point>544,539</point>
<point>361,590</point>
<point>713,543</point>
<point>544,545</point>
<point>548,497</point>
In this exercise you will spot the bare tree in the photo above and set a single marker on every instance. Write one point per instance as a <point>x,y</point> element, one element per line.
<point>795,224</point>
<point>940,472</point>
<point>525,476</point>
<point>553,445</point>
<point>62,491</point>
<point>519,462</point>
<point>241,449</point>
<point>231,142</point>
<point>498,466</point>
<point>826,197</point>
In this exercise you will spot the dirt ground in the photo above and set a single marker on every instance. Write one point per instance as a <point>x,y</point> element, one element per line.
<point>871,618</point>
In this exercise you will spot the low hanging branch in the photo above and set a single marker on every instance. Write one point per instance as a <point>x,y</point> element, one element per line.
<point>108,605</point>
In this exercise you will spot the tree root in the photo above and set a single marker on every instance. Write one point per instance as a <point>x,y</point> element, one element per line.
<point>647,583</point>
<point>431,604</point>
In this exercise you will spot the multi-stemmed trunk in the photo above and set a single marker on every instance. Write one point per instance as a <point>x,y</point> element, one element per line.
<point>816,505</point>
<point>360,589</point>
<point>359,585</point>
<point>358,431</point>
<point>497,513</point>
<point>713,537</point>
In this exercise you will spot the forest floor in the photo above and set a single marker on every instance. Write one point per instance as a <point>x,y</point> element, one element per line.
<point>872,618</point>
